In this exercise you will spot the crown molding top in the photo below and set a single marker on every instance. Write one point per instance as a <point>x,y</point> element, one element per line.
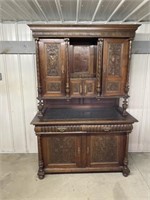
<point>107,30</point>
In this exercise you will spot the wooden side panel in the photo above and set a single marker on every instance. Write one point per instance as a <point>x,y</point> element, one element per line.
<point>115,67</point>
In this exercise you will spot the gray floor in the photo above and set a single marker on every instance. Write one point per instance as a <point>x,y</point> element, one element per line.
<point>18,181</point>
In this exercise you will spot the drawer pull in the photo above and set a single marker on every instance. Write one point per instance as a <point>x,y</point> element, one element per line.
<point>106,129</point>
<point>61,129</point>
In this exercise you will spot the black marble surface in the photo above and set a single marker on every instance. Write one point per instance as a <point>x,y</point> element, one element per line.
<point>89,113</point>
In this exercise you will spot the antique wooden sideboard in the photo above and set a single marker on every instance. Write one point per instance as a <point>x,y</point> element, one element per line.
<point>82,73</point>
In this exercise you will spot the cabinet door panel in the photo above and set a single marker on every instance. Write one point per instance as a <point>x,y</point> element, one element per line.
<point>76,88</point>
<point>105,150</point>
<point>115,67</point>
<point>89,87</point>
<point>61,151</point>
<point>52,66</point>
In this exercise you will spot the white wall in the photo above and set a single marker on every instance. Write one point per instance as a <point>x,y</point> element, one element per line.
<point>18,95</point>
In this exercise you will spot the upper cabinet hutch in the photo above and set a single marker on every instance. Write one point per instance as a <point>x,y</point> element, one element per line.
<point>82,72</point>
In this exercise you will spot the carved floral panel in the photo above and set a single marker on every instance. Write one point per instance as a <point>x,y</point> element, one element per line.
<point>53,54</point>
<point>89,87</point>
<point>114,59</point>
<point>54,87</point>
<point>113,86</point>
<point>62,149</point>
<point>103,149</point>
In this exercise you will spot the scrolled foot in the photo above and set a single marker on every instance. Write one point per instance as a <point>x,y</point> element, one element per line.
<point>125,171</point>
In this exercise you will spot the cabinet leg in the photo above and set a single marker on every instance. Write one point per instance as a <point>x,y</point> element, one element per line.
<point>125,171</point>
<point>41,173</point>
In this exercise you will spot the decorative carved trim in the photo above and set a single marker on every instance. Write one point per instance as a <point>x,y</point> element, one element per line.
<point>67,67</point>
<point>75,33</point>
<point>54,87</point>
<point>126,89</point>
<point>38,68</point>
<point>126,170</point>
<point>104,148</point>
<point>85,128</point>
<point>62,145</point>
<point>99,65</point>
<point>41,172</point>
<point>40,101</point>
<point>114,59</point>
<point>113,86</point>
<point>53,60</point>
<point>40,107</point>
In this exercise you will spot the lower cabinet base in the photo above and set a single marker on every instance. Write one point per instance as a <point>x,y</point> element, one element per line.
<point>124,169</point>
<point>83,152</point>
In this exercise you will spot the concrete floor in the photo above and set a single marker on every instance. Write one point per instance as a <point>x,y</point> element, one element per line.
<point>18,181</point>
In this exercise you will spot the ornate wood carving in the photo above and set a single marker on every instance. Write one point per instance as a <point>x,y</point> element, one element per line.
<point>114,59</point>
<point>126,170</point>
<point>85,128</point>
<point>41,172</point>
<point>126,89</point>
<point>103,148</point>
<point>113,86</point>
<point>54,87</point>
<point>82,135</point>
<point>84,30</point>
<point>53,61</point>
<point>67,68</point>
<point>40,101</point>
<point>76,88</point>
<point>99,65</point>
<point>62,149</point>
<point>89,87</point>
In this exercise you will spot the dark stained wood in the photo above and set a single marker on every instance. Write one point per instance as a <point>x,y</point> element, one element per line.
<point>82,72</point>
<point>115,66</point>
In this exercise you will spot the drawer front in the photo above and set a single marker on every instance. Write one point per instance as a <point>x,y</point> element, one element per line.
<point>79,129</point>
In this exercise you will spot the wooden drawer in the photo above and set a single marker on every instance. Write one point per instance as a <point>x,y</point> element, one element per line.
<point>108,128</point>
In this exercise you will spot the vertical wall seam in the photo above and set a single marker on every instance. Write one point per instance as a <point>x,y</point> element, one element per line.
<point>22,103</point>
<point>9,105</point>
<point>8,98</point>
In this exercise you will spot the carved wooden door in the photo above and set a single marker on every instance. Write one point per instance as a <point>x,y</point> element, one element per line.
<point>82,64</point>
<point>104,150</point>
<point>83,87</point>
<point>62,151</point>
<point>115,67</point>
<point>52,67</point>
<point>76,87</point>
<point>89,87</point>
